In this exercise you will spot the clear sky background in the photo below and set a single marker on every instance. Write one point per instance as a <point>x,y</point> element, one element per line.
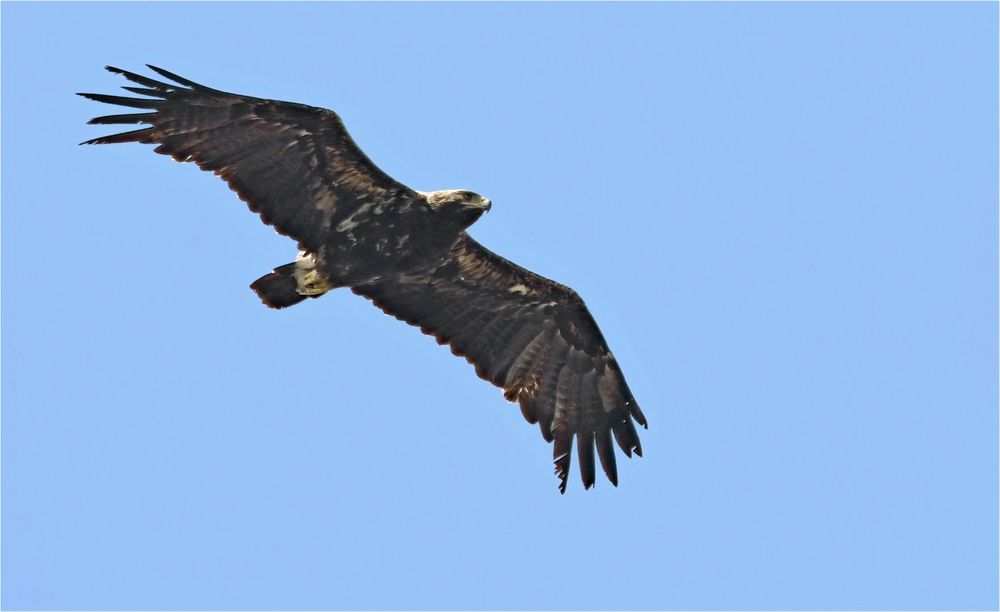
<point>783,216</point>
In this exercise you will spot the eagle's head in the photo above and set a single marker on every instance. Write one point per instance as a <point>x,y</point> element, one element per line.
<point>458,205</point>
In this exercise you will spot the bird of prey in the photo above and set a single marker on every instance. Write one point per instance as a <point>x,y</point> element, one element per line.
<point>405,250</point>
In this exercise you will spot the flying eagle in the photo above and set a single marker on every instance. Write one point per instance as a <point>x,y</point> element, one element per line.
<point>405,250</point>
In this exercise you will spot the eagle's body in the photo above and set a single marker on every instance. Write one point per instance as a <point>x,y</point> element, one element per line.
<point>406,251</point>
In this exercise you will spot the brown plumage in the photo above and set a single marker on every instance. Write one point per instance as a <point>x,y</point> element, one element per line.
<point>406,251</point>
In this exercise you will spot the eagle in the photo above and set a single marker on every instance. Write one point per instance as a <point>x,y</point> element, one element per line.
<point>406,251</point>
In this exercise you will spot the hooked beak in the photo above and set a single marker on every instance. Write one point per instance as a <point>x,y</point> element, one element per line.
<point>487,204</point>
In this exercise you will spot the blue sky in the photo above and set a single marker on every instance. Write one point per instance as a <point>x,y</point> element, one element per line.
<point>783,216</point>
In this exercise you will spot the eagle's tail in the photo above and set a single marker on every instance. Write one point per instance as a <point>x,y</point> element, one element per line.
<point>279,288</point>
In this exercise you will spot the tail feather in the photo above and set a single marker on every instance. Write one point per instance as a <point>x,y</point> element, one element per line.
<point>278,289</point>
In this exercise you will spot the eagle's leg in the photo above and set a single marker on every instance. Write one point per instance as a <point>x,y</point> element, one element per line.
<point>291,283</point>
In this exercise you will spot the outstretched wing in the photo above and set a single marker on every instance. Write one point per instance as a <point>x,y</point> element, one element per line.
<point>534,338</point>
<point>295,165</point>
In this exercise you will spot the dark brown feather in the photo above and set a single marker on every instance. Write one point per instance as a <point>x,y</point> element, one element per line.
<point>141,80</point>
<point>562,454</point>
<point>127,118</point>
<point>133,136</point>
<point>606,452</point>
<point>143,91</point>
<point>585,450</point>
<point>123,101</point>
<point>179,79</point>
